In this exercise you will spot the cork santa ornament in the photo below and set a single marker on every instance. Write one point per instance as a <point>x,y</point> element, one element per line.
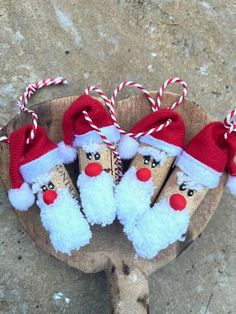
<point>36,167</point>
<point>154,142</point>
<point>199,168</point>
<point>88,127</point>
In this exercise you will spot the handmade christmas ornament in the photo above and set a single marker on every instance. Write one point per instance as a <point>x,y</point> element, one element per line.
<point>36,167</point>
<point>127,276</point>
<point>155,141</point>
<point>88,127</point>
<point>199,168</point>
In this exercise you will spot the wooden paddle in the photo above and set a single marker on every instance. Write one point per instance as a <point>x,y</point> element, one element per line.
<point>109,249</point>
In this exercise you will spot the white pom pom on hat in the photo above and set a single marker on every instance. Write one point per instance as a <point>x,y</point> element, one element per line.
<point>67,152</point>
<point>127,147</point>
<point>22,198</point>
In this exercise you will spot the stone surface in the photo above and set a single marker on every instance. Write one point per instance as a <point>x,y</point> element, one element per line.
<point>105,43</point>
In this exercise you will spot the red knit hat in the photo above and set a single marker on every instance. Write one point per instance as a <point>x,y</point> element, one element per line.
<point>170,139</point>
<point>209,154</point>
<point>77,131</point>
<point>29,161</point>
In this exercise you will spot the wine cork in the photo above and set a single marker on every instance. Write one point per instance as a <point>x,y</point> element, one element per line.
<point>193,197</point>
<point>102,155</point>
<point>159,172</point>
<point>61,179</point>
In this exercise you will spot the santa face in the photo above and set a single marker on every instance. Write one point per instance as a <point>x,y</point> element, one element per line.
<point>96,183</point>
<point>168,220</point>
<point>96,153</point>
<point>140,184</point>
<point>155,162</point>
<point>61,216</point>
<point>191,192</point>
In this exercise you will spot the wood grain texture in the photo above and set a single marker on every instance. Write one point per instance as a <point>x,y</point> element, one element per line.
<point>109,247</point>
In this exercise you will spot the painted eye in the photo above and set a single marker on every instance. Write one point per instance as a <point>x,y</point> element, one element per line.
<point>146,159</point>
<point>50,185</point>
<point>43,188</point>
<point>89,156</point>
<point>182,187</point>
<point>190,193</point>
<point>97,156</point>
<point>155,163</point>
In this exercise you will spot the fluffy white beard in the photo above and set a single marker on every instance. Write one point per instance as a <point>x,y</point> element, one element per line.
<point>159,227</point>
<point>132,198</point>
<point>97,198</point>
<point>67,227</point>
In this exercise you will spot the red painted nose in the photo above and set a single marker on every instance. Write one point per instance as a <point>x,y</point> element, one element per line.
<point>143,174</point>
<point>178,202</point>
<point>93,169</point>
<point>49,196</point>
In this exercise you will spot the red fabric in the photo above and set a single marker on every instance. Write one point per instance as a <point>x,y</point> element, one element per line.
<point>173,134</point>
<point>210,147</point>
<point>74,122</point>
<point>22,153</point>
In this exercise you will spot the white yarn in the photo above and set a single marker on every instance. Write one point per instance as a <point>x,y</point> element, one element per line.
<point>159,227</point>
<point>132,198</point>
<point>68,229</point>
<point>97,198</point>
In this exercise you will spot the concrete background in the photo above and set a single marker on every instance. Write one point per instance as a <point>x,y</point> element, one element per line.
<point>106,42</point>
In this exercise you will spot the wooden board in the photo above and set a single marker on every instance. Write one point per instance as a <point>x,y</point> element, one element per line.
<point>109,249</point>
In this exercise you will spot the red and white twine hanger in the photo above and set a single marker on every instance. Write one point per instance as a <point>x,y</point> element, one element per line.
<point>136,85</point>
<point>24,100</point>
<point>25,97</point>
<point>230,123</point>
<point>112,146</point>
<point>113,99</point>
<point>154,105</point>
<point>164,86</point>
